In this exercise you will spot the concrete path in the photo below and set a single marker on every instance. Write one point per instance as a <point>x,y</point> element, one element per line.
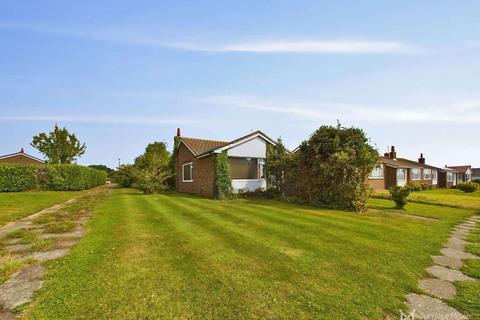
<point>440,285</point>
<point>20,287</point>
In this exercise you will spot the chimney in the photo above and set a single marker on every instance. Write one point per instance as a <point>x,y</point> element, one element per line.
<point>178,132</point>
<point>421,159</point>
<point>393,154</point>
<point>21,150</point>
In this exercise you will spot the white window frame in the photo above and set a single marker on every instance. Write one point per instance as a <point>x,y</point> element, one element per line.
<point>449,176</point>
<point>427,176</point>
<point>378,169</point>
<point>404,171</point>
<point>434,174</point>
<point>419,177</point>
<point>191,172</point>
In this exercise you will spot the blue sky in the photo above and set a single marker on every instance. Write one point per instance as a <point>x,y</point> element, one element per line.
<point>121,74</point>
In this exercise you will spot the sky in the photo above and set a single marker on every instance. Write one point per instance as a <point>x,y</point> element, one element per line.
<point>122,74</point>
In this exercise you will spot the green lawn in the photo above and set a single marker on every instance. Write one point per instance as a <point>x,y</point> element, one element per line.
<point>175,256</point>
<point>447,197</point>
<point>16,205</point>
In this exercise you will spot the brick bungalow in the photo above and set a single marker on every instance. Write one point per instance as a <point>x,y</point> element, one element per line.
<point>21,158</point>
<point>393,171</point>
<point>195,163</point>
<point>463,173</point>
<point>447,177</point>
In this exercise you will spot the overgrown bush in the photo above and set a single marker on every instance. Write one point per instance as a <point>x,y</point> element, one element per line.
<point>467,187</point>
<point>14,178</point>
<point>69,177</point>
<point>125,176</point>
<point>331,168</point>
<point>400,195</point>
<point>223,183</point>
<point>414,186</point>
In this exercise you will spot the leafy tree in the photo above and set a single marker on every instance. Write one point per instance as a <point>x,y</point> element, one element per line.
<point>102,167</point>
<point>125,176</point>
<point>331,169</point>
<point>59,146</point>
<point>152,168</point>
<point>276,165</point>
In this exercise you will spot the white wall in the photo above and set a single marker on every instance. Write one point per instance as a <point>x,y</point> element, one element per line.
<point>254,148</point>
<point>249,185</point>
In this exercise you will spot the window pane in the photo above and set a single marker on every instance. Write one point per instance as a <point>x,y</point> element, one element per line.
<point>243,168</point>
<point>187,172</point>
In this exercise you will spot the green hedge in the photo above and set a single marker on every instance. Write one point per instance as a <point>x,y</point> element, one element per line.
<point>14,178</point>
<point>69,177</point>
<point>60,177</point>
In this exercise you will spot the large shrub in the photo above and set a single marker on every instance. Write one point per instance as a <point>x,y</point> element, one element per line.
<point>125,175</point>
<point>400,195</point>
<point>15,178</point>
<point>223,183</point>
<point>467,187</point>
<point>67,177</point>
<point>331,169</point>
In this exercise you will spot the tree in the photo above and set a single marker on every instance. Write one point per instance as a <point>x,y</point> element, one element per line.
<point>331,169</point>
<point>275,166</point>
<point>102,167</point>
<point>59,146</point>
<point>152,168</point>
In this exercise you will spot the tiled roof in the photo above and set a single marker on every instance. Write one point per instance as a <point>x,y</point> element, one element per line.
<point>199,146</point>
<point>21,154</point>
<point>203,146</point>
<point>461,169</point>
<point>405,163</point>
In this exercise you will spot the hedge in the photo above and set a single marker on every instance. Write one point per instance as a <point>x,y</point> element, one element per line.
<point>14,178</point>
<point>70,177</point>
<point>61,177</point>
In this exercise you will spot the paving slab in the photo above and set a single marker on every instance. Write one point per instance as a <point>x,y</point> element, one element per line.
<point>448,262</point>
<point>7,315</point>
<point>426,307</point>
<point>21,286</point>
<point>456,244</point>
<point>66,243</point>
<point>460,233</point>
<point>447,274</point>
<point>18,247</point>
<point>438,288</point>
<point>78,233</point>
<point>458,254</point>
<point>45,255</point>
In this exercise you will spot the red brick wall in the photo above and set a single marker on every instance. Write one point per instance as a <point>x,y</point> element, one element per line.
<point>377,184</point>
<point>203,173</point>
<point>21,159</point>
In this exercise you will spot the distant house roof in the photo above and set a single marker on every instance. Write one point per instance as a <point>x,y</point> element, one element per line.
<point>21,153</point>
<point>405,163</point>
<point>475,171</point>
<point>460,169</point>
<point>200,147</point>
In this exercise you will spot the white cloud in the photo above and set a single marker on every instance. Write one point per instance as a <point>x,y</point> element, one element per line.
<point>337,46</point>
<point>459,112</point>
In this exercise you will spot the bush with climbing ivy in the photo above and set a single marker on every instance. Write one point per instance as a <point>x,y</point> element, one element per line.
<point>223,183</point>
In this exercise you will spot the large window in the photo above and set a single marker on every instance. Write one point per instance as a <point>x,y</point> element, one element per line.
<point>376,173</point>
<point>434,174</point>
<point>401,174</point>
<point>187,172</point>
<point>244,168</point>
<point>427,174</point>
<point>449,177</point>
<point>416,174</point>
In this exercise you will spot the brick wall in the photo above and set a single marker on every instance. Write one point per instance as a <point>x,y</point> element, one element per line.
<point>21,159</point>
<point>203,173</point>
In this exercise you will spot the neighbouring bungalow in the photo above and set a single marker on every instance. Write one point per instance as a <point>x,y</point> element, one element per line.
<point>447,177</point>
<point>393,171</point>
<point>464,173</point>
<point>475,174</point>
<point>21,158</point>
<point>246,155</point>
